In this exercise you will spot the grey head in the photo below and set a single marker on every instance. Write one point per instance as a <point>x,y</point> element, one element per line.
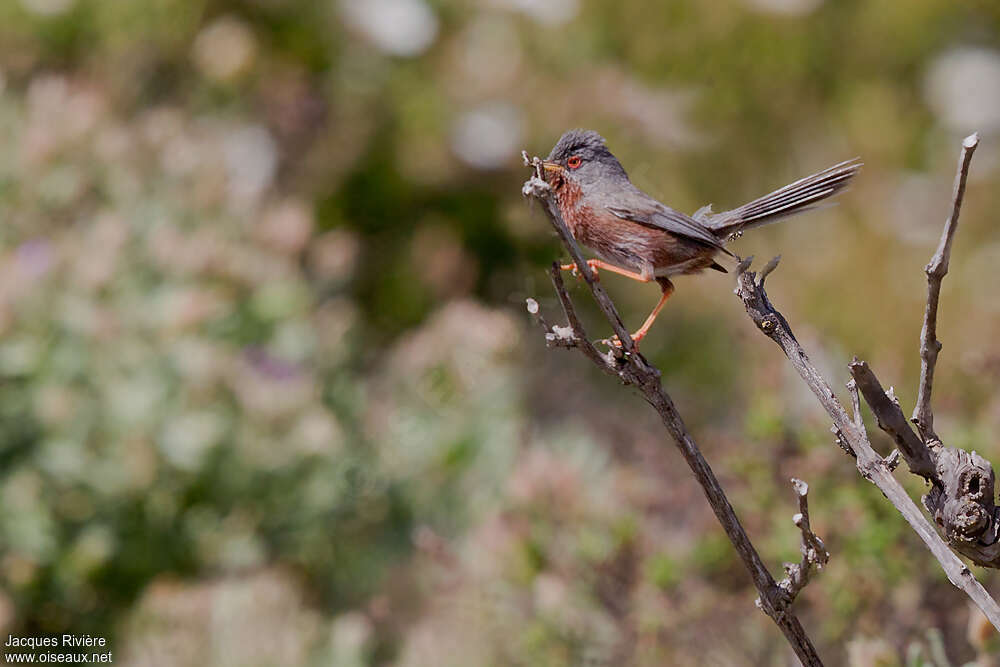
<point>585,158</point>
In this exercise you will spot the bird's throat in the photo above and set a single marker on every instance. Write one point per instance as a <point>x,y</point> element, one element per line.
<point>568,197</point>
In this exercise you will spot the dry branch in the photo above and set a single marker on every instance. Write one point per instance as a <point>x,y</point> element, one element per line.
<point>632,369</point>
<point>852,435</point>
<point>961,498</point>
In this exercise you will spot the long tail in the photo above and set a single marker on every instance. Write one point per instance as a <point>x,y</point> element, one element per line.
<point>795,198</point>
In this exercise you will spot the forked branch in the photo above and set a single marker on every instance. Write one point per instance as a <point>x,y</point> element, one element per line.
<point>961,498</point>
<point>853,437</point>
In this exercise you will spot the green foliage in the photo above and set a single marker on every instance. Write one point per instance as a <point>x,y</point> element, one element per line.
<point>664,571</point>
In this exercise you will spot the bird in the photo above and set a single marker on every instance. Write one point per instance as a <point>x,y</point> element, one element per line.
<point>637,236</point>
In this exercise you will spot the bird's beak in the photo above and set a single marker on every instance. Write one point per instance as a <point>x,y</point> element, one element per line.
<point>552,166</point>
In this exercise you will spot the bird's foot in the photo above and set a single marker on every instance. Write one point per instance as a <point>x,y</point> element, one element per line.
<point>614,341</point>
<point>576,272</point>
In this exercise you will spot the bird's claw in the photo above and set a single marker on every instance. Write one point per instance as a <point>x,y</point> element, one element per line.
<point>615,342</point>
<point>576,271</point>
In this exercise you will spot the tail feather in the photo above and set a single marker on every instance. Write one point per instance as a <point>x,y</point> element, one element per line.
<point>794,198</point>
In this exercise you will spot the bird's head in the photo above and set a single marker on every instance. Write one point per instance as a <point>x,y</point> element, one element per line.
<point>582,157</point>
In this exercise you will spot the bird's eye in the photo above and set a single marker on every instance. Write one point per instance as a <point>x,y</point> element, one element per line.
<point>574,162</point>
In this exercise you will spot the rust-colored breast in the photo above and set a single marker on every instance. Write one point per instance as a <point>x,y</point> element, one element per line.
<point>579,216</point>
<point>625,243</point>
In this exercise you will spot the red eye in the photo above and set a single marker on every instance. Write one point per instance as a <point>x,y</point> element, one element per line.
<point>574,162</point>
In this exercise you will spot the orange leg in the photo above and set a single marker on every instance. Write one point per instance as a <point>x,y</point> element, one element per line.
<point>596,264</point>
<point>668,289</point>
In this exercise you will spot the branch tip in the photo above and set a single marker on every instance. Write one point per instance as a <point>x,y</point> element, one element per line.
<point>937,268</point>
<point>814,553</point>
<point>768,268</point>
<point>852,389</point>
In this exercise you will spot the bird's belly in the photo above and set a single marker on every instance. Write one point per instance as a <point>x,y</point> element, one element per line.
<point>619,256</point>
<point>610,239</point>
<point>637,247</point>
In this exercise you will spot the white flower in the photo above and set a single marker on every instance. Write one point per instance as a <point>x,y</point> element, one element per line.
<point>487,137</point>
<point>963,89</point>
<point>48,7</point>
<point>398,27</point>
<point>224,49</point>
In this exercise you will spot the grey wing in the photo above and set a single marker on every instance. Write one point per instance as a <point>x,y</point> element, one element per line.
<point>667,219</point>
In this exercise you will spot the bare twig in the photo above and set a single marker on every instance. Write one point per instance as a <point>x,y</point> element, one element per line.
<point>537,187</point>
<point>855,438</point>
<point>852,390</point>
<point>573,335</point>
<point>814,553</point>
<point>923,416</point>
<point>890,419</point>
<point>632,368</point>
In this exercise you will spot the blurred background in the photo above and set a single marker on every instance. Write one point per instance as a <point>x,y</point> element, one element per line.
<point>268,391</point>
